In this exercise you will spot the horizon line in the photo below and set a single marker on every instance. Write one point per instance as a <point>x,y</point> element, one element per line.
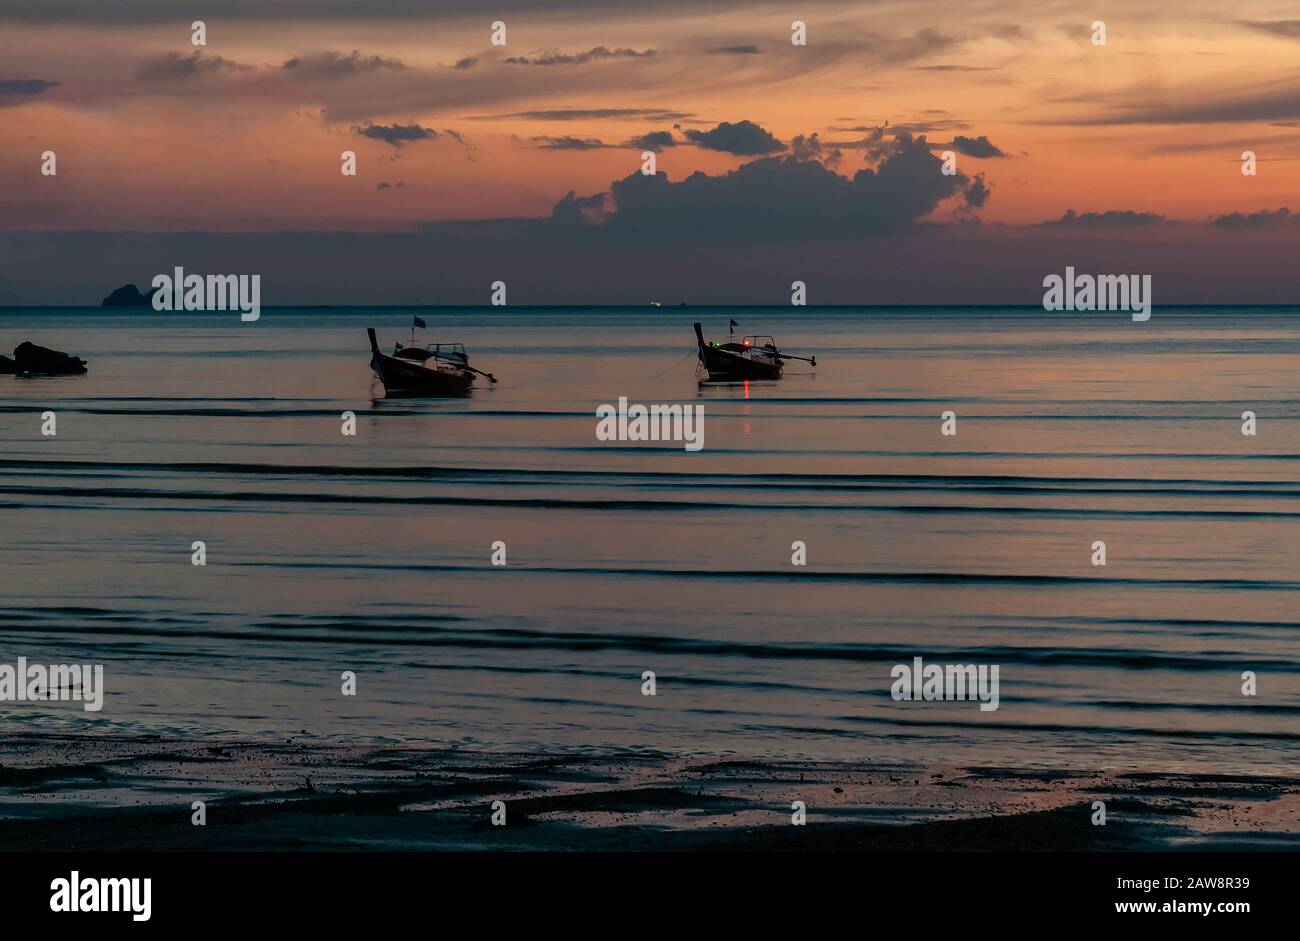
<point>623,306</point>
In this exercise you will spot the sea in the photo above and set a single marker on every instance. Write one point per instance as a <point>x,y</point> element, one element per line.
<point>632,567</point>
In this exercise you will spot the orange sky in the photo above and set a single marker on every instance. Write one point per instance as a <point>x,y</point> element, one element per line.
<point>1154,121</point>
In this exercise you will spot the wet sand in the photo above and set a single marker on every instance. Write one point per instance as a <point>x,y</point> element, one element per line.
<point>97,793</point>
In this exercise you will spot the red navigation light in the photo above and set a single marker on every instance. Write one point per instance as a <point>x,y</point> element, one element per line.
<point>747,343</point>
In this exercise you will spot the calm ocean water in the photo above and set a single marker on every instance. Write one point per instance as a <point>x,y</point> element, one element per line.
<point>371,553</point>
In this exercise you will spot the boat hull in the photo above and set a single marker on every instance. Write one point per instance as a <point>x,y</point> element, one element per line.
<point>727,366</point>
<point>723,366</point>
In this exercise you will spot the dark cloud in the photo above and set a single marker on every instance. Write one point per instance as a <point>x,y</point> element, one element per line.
<point>978,264</point>
<point>1271,104</point>
<point>1111,219</point>
<point>978,147</point>
<point>735,50</point>
<point>336,64</point>
<point>466,63</point>
<point>1263,219</point>
<point>395,134</point>
<point>589,114</point>
<point>569,143</point>
<point>654,140</point>
<point>812,147</point>
<point>174,65</point>
<point>977,194</point>
<point>774,198</point>
<point>400,184</point>
<point>744,139</point>
<point>1287,29</point>
<point>580,58</point>
<point>575,212</point>
<point>25,86</point>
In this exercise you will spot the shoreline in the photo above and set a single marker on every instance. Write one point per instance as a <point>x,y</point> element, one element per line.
<point>95,793</point>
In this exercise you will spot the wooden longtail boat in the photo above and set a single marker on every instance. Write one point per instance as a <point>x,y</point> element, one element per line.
<point>439,369</point>
<point>754,357</point>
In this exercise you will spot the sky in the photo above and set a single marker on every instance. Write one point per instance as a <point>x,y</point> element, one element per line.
<point>774,162</point>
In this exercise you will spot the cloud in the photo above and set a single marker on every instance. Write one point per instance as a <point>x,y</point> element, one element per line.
<point>400,184</point>
<point>1262,219</point>
<point>953,68</point>
<point>746,50</point>
<point>978,147</point>
<point>744,139</point>
<point>395,134</point>
<point>568,143</point>
<point>897,51</point>
<point>1231,147</point>
<point>337,65</point>
<point>1276,102</point>
<point>907,127</point>
<point>977,193</point>
<point>589,114</point>
<point>580,58</point>
<point>1111,219</point>
<point>774,198</point>
<point>466,63</point>
<point>1012,32</point>
<point>980,264</point>
<point>575,212</point>
<point>1287,29</point>
<point>812,147</point>
<point>654,140</point>
<point>174,65</point>
<point>25,86</point>
<point>417,12</point>
<point>17,91</point>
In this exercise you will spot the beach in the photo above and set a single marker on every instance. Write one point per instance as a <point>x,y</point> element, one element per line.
<point>113,794</point>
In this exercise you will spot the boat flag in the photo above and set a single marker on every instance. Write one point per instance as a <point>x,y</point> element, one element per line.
<point>419,323</point>
<point>732,328</point>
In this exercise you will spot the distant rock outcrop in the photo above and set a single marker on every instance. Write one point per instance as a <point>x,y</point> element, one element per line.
<point>7,366</point>
<point>30,358</point>
<point>128,295</point>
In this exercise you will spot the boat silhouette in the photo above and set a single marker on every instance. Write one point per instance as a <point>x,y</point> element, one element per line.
<point>438,369</point>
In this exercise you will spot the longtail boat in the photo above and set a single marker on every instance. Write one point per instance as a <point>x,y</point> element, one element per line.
<point>753,357</point>
<point>437,369</point>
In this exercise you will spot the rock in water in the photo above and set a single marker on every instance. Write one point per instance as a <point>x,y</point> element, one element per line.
<point>29,357</point>
<point>128,295</point>
<point>7,366</point>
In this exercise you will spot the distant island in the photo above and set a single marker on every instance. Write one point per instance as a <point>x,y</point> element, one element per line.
<point>128,295</point>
